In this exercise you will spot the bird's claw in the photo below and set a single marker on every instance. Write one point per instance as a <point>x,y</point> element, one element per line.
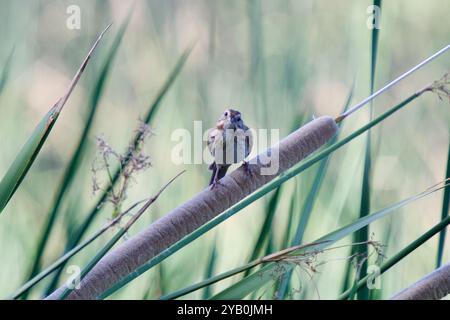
<point>247,168</point>
<point>214,184</point>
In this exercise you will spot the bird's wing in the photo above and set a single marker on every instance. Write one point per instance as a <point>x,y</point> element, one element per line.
<point>214,138</point>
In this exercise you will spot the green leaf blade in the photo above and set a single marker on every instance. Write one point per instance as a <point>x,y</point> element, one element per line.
<point>444,215</point>
<point>256,195</point>
<point>150,114</point>
<point>25,158</point>
<point>273,270</point>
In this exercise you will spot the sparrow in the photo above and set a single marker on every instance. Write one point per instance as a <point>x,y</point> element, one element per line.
<point>230,141</point>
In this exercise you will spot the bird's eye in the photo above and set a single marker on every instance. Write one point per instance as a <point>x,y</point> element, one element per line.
<point>226,114</point>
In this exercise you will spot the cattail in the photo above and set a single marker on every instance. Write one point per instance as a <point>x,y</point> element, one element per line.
<point>202,208</point>
<point>211,202</point>
<point>433,286</point>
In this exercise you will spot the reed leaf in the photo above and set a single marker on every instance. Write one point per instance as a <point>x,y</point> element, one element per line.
<point>122,231</point>
<point>210,269</point>
<point>403,253</point>
<point>153,108</point>
<point>266,227</point>
<point>74,163</point>
<point>5,71</point>
<point>266,274</point>
<point>257,195</point>
<point>363,234</point>
<point>309,204</point>
<point>272,271</point>
<point>444,215</point>
<point>54,266</point>
<point>25,158</point>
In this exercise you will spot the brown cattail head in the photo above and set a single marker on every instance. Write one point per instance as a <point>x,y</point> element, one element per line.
<point>201,208</point>
<point>433,286</point>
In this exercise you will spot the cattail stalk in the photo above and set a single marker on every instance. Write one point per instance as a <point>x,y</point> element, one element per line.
<point>433,286</point>
<point>201,208</point>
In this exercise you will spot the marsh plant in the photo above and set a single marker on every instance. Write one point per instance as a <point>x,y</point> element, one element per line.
<point>129,164</point>
<point>318,206</point>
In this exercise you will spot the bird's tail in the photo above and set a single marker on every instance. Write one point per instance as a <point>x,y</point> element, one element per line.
<point>222,172</point>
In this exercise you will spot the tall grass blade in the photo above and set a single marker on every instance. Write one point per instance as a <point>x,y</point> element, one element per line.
<point>258,72</point>
<point>117,236</point>
<point>272,271</point>
<point>206,283</point>
<point>271,267</point>
<point>284,281</point>
<point>403,253</point>
<point>309,204</point>
<point>287,235</point>
<point>266,229</point>
<point>72,168</point>
<point>153,108</point>
<point>210,270</point>
<point>264,234</point>
<point>363,235</point>
<point>374,46</point>
<point>354,287</point>
<point>5,71</point>
<point>444,215</point>
<point>23,161</point>
<point>54,266</point>
<point>258,194</point>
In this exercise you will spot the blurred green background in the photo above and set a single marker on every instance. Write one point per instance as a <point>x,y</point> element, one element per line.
<point>280,63</point>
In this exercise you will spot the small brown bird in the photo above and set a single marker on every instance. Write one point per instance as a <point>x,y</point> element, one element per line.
<point>229,142</point>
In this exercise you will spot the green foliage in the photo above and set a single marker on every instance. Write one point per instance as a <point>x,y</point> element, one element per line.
<point>23,161</point>
<point>255,196</point>
<point>400,255</point>
<point>272,271</point>
<point>363,234</point>
<point>308,206</point>
<point>117,236</point>
<point>5,72</point>
<point>275,62</point>
<point>444,215</point>
<point>154,106</point>
<point>72,168</point>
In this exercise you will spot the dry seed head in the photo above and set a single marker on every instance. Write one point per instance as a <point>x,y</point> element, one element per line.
<point>202,208</point>
<point>441,87</point>
<point>309,262</point>
<point>133,161</point>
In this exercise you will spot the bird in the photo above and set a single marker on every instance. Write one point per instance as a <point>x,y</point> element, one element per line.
<point>230,141</point>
